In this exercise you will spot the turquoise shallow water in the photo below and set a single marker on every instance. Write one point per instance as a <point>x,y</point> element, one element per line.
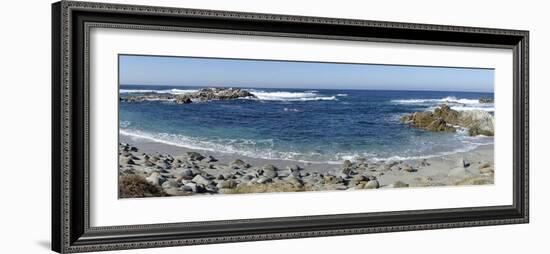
<point>304,125</point>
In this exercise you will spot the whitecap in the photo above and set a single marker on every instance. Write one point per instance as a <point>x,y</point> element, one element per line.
<point>291,110</point>
<point>448,99</point>
<point>169,91</point>
<point>289,96</point>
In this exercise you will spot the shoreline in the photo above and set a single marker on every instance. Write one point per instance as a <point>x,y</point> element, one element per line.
<point>231,173</point>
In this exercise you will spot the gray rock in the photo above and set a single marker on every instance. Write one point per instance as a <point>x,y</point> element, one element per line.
<point>184,173</point>
<point>330,179</point>
<point>148,170</point>
<point>270,173</point>
<point>228,176</point>
<point>395,168</point>
<point>194,187</point>
<point>156,179</point>
<point>463,163</point>
<point>148,164</point>
<point>211,188</point>
<point>238,163</point>
<point>204,94</point>
<point>372,184</point>
<point>172,191</point>
<point>408,168</point>
<point>359,178</point>
<point>163,165</point>
<point>294,180</point>
<point>263,180</point>
<point>247,178</point>
<point>227,184</point>
<point>201,180</point>
<point>478,122</point>
<point>346,167</point>
<point>484,165</point>
<point>486,170</point>
<point>171,183</point>
<point>127,161</point>
<point>269,167</point>
<point>211,159</point>
<point>195,156</point>
<point>424,163</point>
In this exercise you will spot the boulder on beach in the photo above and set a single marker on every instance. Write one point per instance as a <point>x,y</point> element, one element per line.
<point>195,156</point>
<point>372,184</point>
<point>156,179</point>
<point>240,164</point>
<point>227,184</point>
<point>127,161</point>
<point>201,179</point>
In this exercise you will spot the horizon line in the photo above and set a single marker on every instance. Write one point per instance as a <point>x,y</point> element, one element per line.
<point>359,89</point>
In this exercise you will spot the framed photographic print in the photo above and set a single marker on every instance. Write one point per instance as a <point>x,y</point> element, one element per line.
<point>181,126</point>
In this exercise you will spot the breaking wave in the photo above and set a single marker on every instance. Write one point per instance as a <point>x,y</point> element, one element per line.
<point>290,96</point>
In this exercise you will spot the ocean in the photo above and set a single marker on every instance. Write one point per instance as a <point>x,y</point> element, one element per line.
<point>316,126</point>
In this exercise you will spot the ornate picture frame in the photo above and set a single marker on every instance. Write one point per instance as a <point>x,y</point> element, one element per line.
<point>71,24</point>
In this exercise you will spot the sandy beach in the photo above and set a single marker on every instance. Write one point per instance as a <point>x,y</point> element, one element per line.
<point>176,170</point>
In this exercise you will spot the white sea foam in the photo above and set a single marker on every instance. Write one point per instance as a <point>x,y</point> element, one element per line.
<point>250,148</point>
<point>241,147</point>
<point>448,99</point>
<point>169,91</point>
<point>291,110</point>
<point>290,96</point>
<point>467,148</point>
<point>455,103</point>
<point>465,108</point>
<point>136,91</point>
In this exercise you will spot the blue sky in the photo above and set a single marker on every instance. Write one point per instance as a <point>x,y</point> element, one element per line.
<point>186,71</point>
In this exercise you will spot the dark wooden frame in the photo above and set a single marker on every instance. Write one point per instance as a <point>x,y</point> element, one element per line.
<point>71,22</point>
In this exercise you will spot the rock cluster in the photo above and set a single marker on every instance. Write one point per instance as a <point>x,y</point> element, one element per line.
<point>194,173</point>
<point>204,94</point>
<point>445,119</point>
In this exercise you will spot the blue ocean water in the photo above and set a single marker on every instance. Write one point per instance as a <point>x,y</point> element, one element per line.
<point>303,125</point>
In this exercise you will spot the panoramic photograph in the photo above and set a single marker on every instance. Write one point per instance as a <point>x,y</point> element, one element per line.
<point>191,126</point>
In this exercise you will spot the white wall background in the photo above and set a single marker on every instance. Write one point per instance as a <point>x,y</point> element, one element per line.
<point>25,125</point>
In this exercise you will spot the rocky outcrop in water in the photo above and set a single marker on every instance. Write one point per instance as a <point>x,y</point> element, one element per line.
<point>204,94</point>
<point>445,119</point>
<point>486,100</point>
